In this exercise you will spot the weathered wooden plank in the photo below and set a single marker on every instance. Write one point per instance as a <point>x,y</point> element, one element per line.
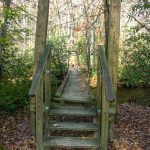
<point>74,126</point>
<point>106,75</point>
<point>39,72</point>
<point>104,120</point>
<point>71,142</point>
<point>99,97</point>
<point>72,112</point>
<point>32,115</point>
<point>78,107</point>
<point>40,57</point>
<point>113,41</point>
<point>47,102</point>
<point>41,29</point>
<point>75,100</point>
<point>91,94</point>
<point>39,117</point>
<point>113,50</point>
<point>47,78</point>
<point>61,87</point>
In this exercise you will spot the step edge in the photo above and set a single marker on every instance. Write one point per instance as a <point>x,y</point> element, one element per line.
<point>94,140</point>
<point>92,128</point>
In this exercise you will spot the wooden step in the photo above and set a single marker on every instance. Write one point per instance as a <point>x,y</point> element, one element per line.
<point>75,100</point>
<point>71,142</point>
<point>73,112</point>
<point>75,126</point>
<point>56,106</point>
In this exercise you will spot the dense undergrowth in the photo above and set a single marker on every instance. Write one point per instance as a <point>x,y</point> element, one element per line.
<point>17,75</point>
<point>134,68</point>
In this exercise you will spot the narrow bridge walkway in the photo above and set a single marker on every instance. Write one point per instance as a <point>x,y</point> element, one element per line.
<point>73,120</point>
<point>75,88</point>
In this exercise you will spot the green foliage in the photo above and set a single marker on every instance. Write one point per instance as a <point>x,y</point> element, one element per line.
<point>135,59</point>
<point>15,65</point>
<point>58,53</point>
<point>59,63</point>
<point>15,83</point>
<point>141,6</point>
<point>11,13</point>
<point>80,47</point>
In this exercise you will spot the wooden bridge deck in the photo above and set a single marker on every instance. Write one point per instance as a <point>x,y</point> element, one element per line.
<point>75,87</point>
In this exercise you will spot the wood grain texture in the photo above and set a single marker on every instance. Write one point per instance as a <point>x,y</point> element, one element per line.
<point>113,50</point>
<point>40,56</point>
<point>71,142</point>
<point>75,100</point>
<point>104,120</point>
<point>72,112</point>
<point>73,126</point>
<point>32,115</point>
<point>47,78</point>
<point>39,72</point>
<point>39,117</point>
<point>110,95</point>
<point>61,87</point>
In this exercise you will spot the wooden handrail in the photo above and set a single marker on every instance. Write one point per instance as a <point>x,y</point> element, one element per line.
<point>61,87</point>
<point>106,75</point>
<point>39,72</point>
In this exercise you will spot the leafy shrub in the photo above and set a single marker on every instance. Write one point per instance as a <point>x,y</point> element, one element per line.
<point>15,83</point>
<point>59,61</point>
<point>135,59</point>
<point>17,72</point>
<point>80,46</point>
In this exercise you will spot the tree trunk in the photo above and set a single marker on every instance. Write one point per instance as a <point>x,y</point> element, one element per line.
<point>106,19</point>
<point>3,34</point>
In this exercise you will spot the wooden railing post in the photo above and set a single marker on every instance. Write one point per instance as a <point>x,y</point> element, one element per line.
<point>47,91</point>
<point>107,96</point>
<point>32,115</point>
<point>39,117</point>
<point>104,111</point>
<point>99,96</point>
<point>36,94</point>
<point>113,49</point>
<point>104,120</point>
<point>40,44</point>
<point>48,83</point>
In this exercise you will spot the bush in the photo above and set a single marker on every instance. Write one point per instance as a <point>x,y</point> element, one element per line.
<point>135,60</point>
<point>80,46</point>
<point>15,83</point>
<point>58,62</point>
<point>17,72</point>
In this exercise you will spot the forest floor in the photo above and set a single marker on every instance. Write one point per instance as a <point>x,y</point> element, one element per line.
<point>132,128</point>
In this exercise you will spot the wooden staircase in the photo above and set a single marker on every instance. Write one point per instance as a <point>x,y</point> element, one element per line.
<point>72,121</point>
